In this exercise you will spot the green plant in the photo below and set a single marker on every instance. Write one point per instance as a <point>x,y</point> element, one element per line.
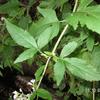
<point>73,59</point>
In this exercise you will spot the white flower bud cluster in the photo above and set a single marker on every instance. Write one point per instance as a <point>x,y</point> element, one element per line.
<point>21,95</point>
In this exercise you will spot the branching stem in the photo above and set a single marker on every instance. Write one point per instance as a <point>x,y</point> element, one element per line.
<point>56,45</point>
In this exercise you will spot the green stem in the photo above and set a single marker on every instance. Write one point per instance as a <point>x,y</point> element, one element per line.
<point>46,65</point>
<point>93,90</point>
<point>55,47</point>
<point>59,39</point>
<point>75,6</point>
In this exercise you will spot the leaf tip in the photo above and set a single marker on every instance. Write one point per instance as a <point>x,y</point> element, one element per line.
<point>16,61</point>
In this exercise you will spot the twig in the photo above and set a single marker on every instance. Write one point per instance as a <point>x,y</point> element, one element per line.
<point>75,6</point>
<point>46,65</point>
<point>59,39</point>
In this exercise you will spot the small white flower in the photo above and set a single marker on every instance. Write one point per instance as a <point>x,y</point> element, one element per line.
<point>20,90</point>
<point>15,95</point>
<point>29,83</point>
<point>15,92</point>
<point>32,81</point>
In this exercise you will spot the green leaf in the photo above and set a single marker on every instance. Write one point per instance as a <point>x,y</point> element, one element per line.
<point>32,97</point>
<point>80,68</point>
<point>68,49</point>
<point>90,42</point>
<point>47,35</point>
<point>24,22</point>
<point>89,16</point>
<point>7,55</point>
<point>48,14</point>
<point>37,27</point>
<point>59,71</point>
<point>27,54</point>
<point>83,36</point>
<point>20,36</point>
<point>52,3</point>
<point>44,94</point>
<point>83,4</point>
<point>46,28</point>
<point>95,57</point>
<point>61,2</point>
<point>40,26</point>
<point>10,6</point>
<point>87,56</point>
<point>39,73</point>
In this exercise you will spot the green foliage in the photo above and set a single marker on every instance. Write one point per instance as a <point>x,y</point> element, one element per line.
<point>95,57</point>
<point>89,16</point>
<point>81,69</point>
<point>46,29</point>
<point>84,3</point>
<point>90,42</point>
<point>68,49</point>
<point>59,70</point>
<point>39,73</point>
<point>53,3</point>
<point>44,94</point>
<point>22,37</point>
<point>27,54</point>
<point>69,56</point>
<point>9,6</point>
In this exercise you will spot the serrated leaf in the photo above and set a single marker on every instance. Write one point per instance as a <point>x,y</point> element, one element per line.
<point>80,68</point>
<point>20,36</point>
<point>68,49</point>
<point>90,42</point>
<point>59,71</point>
<point>89,16</point>
<point>44,94</point>
<point>27,54</point>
